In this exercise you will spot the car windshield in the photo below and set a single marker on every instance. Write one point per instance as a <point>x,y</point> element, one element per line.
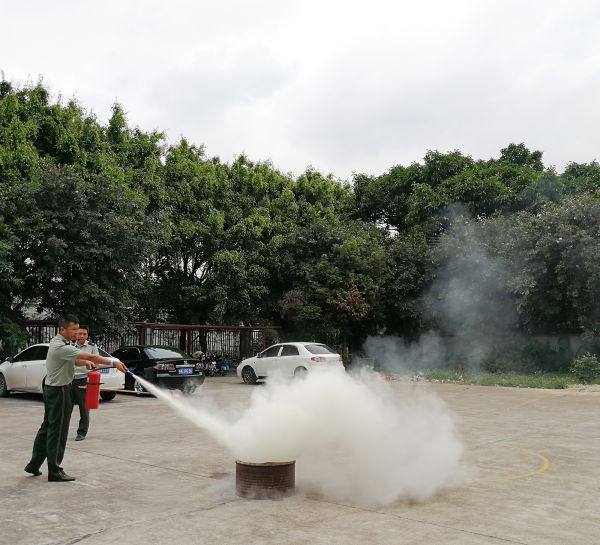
<point>318,349</point>
<point>161,352</point>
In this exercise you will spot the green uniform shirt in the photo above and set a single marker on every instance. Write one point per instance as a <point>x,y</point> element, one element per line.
<point>60,361</point>
<point>88,347</point>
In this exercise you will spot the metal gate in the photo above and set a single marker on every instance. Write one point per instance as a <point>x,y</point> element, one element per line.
<point>233,342</point>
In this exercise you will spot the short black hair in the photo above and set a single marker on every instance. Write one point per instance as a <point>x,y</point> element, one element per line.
<point>86,327</point>
<point>67,319</point>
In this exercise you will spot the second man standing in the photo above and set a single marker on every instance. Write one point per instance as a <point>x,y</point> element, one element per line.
<point>80,379</point>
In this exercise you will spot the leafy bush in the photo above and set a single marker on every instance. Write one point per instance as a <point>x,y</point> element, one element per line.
<point>524,355</point>
<point>482,378</point>
<point>535,356</point>
<point>586,368</point>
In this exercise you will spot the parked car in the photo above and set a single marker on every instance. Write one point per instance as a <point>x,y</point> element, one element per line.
<point>289,359</point>
<point>26,372</point>
<point>162,365</point>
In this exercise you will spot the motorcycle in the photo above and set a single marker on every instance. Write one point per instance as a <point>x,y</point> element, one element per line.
<point>214,363</point>
<point>210,368</point>
<point>209,361</point>
<point>223,365</point>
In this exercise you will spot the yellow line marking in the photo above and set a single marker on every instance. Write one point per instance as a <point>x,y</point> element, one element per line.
<point>499,468</point>
<point>541,469</point>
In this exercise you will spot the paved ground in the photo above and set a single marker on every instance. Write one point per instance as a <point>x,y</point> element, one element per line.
<point>145,476</point>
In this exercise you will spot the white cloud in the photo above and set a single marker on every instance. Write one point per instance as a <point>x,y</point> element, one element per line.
<point>344,86</point>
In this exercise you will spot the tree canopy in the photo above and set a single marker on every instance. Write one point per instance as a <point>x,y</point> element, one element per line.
<point>115,223</point>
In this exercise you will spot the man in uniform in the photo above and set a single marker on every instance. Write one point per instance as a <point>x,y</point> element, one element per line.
<point>80,379</point>
<point>51,439</point>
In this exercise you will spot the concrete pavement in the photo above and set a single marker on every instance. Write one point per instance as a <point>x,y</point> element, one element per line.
<point>146,476</point>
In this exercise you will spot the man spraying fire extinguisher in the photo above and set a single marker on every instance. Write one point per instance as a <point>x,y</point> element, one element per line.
<point>51,439</point>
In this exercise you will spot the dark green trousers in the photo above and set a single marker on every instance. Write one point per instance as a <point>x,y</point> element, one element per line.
<point>51,439</point>
<point>79,400</point>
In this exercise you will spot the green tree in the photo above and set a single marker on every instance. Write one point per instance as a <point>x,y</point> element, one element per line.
<point>582,178</point>
<point>334,290</point>
<point>111,222</point>
<point>80,244</point>
<point>62,186</point>
<point>554,263</point>
<point>421,194</point>
<point>518,154</point>
<point>408,271</point>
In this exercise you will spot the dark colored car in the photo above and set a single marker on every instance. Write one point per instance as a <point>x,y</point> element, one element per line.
<point>164,366</point>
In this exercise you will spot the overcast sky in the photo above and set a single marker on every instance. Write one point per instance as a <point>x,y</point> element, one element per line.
<point>343,86</point>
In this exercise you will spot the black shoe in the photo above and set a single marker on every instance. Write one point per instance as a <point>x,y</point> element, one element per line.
<point>35,472</point>
<point>61,478</point>
<point>79,437</point>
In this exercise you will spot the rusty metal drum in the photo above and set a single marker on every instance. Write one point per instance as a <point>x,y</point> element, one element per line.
<point>265,480</point>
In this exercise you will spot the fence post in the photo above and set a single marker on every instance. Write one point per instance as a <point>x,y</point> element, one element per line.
<point>245,343</point>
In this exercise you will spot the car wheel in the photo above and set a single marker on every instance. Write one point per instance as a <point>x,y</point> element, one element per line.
<point>108,396</point>
<point>3,387</point>
<point>248,375</point>
<point>300,372</point>
<point>138,388</point>
<point>189,386</point>
<point>129,382</point>
<point>133,385</point>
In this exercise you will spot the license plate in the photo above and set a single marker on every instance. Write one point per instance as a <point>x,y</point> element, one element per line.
<point>185,371</point>
<point>105,370</point>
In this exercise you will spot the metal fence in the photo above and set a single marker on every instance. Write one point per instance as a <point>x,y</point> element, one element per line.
<point>40,331</point>
<point>234,342</point>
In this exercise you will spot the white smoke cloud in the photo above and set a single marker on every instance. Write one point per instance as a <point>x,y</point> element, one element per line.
<point>354,438</point>
<point>469,302</point>
<point>401,355</point>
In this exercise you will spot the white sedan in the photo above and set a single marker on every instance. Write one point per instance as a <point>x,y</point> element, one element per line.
<point>288,359</point>
<point>26,372</point>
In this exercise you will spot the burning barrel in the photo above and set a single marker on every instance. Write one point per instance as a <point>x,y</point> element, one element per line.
<point>263,481</point>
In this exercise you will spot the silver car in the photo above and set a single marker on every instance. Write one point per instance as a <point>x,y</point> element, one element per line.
<point>288,359</point>
<point>26,372</point>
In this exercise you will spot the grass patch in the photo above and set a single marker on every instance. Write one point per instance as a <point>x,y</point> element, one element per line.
<point>536,380</point>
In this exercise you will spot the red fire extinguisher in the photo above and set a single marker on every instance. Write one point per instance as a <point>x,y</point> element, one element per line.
<point>92,390</point>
